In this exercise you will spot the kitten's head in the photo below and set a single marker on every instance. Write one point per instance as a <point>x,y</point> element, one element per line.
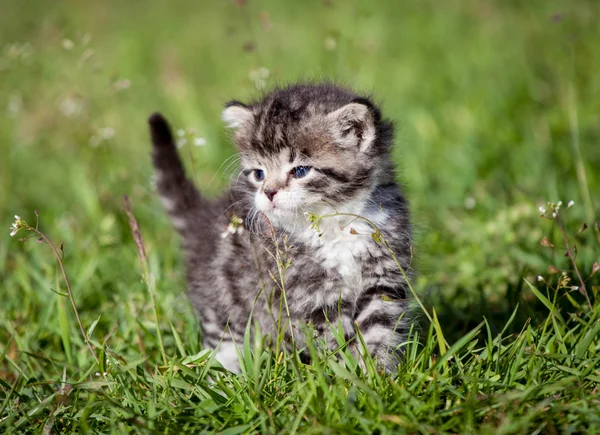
<point>306,146</point>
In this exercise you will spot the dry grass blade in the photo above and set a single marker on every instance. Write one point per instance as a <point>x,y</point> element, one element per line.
<point>137,237</point>
<point>146,275</point>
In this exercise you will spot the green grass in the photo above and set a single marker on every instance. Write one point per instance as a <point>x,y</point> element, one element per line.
<point>496,105</point>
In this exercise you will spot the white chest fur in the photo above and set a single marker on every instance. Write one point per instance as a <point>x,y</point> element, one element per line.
<point>342,244</point>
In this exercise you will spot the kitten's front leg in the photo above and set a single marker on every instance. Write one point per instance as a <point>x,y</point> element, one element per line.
<point>326,318</point>
<point>381,316</point>
<point>227,355</point>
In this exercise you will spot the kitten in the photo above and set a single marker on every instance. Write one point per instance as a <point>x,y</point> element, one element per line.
<point>306,150</point>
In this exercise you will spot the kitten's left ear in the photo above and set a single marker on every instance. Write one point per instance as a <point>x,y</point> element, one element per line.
<point>236,114</point>
<point>353,125</point>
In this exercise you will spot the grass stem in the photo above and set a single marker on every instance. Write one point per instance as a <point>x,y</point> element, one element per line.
<point>146,274</point>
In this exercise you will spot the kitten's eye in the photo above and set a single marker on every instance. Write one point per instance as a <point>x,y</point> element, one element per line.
<point>300,171</point>
<point>259,174</point>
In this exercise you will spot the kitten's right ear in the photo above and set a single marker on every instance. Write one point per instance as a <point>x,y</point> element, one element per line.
<point>236,114</point>
<point>353,125</point>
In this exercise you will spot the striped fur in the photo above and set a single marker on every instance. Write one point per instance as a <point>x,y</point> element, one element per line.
<point>335,275</point>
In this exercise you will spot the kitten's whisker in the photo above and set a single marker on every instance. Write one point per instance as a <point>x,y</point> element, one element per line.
<point>230,159</point>
<point>301,219</point>
<point>237,179</point>
<point>254,223</point>
<point>230,169</point>
<point>312,162</point>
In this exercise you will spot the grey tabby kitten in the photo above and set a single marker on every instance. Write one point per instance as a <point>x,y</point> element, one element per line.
<point>305,150</point>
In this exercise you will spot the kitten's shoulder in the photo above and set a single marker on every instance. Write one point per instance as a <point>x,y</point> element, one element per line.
<point>388,196</point>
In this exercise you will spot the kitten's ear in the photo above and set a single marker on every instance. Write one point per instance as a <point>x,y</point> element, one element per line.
<point>353,125</point>
<point>236,114</point>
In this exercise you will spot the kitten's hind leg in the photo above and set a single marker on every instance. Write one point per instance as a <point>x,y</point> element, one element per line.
<point>227,356</point>
<point>179,195</point>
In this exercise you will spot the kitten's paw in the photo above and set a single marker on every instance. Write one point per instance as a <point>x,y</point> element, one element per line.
<point>160,131</point>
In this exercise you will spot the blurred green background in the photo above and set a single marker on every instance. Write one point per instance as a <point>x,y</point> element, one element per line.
<point>497,107</point>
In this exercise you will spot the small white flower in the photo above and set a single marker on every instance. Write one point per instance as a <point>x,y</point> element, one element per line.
<point>17,225</point>
<point>571,204</point>
<point>103,134</point>
<point>540,278</point>
<point>71,106</point>
<point>259,77</point>
<point>181,142</point>
<point>199,141</point>
<point>95,141</point>
<point>330,43</point>
<point>231,229</point>
<point>107,133</point>
<point>554,214</point>
<point>263,72</point>
<point>15,104</point>
<point>542,209</point>
<point>68,44</point>
<point>180,132</point>
<point>575,287</point>
<point>122,84</point>
<point>470,203</point>
<point>85,56</point>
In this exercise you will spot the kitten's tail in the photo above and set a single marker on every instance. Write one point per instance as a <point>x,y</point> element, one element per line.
<point>179,195</point>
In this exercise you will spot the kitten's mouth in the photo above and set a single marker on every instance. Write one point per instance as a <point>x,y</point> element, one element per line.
<point>275,206</point>
<point>281,211</point>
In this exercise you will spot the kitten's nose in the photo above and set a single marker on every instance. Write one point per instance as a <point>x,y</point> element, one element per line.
<point>270,193</point>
